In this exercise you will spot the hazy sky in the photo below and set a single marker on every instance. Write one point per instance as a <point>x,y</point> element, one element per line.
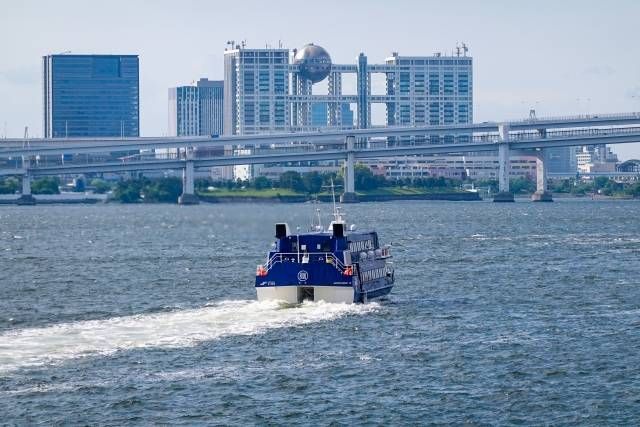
<point>559,57</point>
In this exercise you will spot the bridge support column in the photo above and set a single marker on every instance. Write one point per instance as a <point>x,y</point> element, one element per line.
<point>26,198</point>
<point>504,166</point>
<point>349,195</point>
<point>188,196</point>
<point>541,194</point>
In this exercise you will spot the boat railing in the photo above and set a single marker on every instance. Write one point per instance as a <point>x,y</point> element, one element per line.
<point>305,258</point>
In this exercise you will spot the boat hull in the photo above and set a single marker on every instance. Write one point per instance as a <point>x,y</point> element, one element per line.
<point>332,294</point>
<point>297,294</point>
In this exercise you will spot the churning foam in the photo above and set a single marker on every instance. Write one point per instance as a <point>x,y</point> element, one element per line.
<point>182,328</point>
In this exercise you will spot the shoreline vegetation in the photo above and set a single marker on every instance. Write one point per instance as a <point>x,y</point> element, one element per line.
<point>293,187</point>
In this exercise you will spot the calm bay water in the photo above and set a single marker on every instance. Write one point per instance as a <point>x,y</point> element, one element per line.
<point>502,314</point>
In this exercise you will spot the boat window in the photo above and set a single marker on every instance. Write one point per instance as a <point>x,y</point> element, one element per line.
<point>294,246</point>
<point>326,246</point>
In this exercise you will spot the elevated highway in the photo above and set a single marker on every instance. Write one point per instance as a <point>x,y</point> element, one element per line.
<point>533,136</point>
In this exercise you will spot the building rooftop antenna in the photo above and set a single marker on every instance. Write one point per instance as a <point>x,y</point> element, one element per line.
<point>465,48</point>
<point>25,143</point>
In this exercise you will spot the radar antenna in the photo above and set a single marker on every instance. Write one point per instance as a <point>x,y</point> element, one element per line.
<point>337,216</point>
<point>465,48</point>
<point>316,220</point>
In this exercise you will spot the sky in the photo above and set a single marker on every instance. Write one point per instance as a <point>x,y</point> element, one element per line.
<point>558,57</point>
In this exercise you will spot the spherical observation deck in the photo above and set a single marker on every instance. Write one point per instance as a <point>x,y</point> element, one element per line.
<point>314,62</point>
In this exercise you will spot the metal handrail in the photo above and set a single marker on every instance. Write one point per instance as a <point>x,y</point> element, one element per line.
<point>278,258</point>
<point>579,117</point>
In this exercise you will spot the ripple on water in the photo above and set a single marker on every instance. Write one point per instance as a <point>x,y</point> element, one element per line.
<point>144,315</point>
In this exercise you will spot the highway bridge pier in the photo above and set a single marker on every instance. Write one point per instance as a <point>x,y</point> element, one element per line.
<point>541,194</point>
<point>26,198</point>
<point>349,195</point>
<point>504,166</point>
<point>188,196</point>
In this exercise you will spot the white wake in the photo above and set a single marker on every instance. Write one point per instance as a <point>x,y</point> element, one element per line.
<point>182,328</point>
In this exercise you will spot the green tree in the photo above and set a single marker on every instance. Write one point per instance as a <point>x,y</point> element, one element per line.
<point>522,186</point>
<point>328,177</point>
<point>633,190</point>
<point>201,184</point>
<point>165,190</point>
<point>100,186</point>
<point>365,179</point>
<point>312,182</point>
<point>46,185</point>
<point>582,188</point>
<point>600,182</point>
<point>128,191</point>
<point>561,185</point>
<point>492,184</point>
<point>613,187</point>
<point>262,183</point>
<point>293,181</point>
<point>9,185</point>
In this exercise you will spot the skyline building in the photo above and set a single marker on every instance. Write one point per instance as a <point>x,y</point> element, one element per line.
<point>196,109</point>
<point>319,117</point>
<point>271,90</point>
<point>561,159</point>
<point>256,85</point>
<point>430,91</point>
<point>91,96</point>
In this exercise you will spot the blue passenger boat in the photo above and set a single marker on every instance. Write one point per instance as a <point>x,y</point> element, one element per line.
<point>333,265</point>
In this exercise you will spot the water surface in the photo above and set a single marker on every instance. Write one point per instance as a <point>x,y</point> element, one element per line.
<point>502,314</point>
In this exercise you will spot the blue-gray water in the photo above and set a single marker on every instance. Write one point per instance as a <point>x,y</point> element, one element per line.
<point>502,314</point>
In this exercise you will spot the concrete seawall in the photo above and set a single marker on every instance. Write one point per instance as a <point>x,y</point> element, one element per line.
<point>467,196</point>
<point>62,199</point>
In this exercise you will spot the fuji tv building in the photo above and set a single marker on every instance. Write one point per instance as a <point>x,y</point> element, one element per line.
<point>272,91</point>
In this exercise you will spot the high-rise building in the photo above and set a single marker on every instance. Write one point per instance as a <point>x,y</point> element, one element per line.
<point>429,90</point>
<point>256,86</point>
<point>319,115</point>
<point>211,106</point>
<point>561,159</point>
<point>184,111</point>
<point>196,109</point>
<point>91,96</point>
<point>271,90</point>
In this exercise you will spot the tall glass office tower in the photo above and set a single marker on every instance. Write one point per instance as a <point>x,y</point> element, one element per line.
<point>196,109</point>
<point>91,96</point>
